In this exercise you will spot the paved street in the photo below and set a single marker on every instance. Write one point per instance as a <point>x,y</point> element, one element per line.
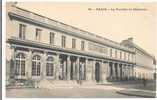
<point>85,90</point>
<point>63,92</point>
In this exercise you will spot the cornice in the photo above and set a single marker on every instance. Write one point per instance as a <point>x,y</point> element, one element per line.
<point>143,66</point>
<point>17,41</point>
<point>132,44</point>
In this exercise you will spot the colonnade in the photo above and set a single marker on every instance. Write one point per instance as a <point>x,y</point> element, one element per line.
<point>75,67</point>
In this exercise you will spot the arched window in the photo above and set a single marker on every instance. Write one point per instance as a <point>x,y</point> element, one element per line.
<point>36,65</point>
<point>50,66</point>
<point>20,64</point>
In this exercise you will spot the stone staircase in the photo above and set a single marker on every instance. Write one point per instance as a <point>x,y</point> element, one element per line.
<point>49,84</point>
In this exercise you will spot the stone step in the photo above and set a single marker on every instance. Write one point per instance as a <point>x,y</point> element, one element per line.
<point>55,83</point>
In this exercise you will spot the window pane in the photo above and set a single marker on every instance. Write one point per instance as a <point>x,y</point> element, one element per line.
<point>63,41</point>
<point>50,59</point>
<point>22,29</point>
<point>51,38</point>
<point>18,55</point>
<point>23,68</point>
<point>73,43</point>
<point>33,68</point>
<point>17,67</point>
<point>38,33</point>
<point>20,64</point>
<point>38,69</point>
<point>110,52</point>
<point>82,45</point>
<point>38,57</point>
<point>49,69</point>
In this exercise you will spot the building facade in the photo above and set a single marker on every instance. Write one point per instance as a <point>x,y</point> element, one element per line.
<point>145,63</point>
<point>40,48</point>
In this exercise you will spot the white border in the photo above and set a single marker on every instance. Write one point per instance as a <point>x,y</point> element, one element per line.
<point>3,49</point>
<point>4,41</point>
<point>85,0</point>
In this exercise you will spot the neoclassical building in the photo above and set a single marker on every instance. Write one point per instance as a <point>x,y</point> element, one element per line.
<point>40,48</point>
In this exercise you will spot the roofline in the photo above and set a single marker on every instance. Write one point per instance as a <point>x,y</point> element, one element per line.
<point>67,25</point>
<point>140,49</point>
<point>86,32</point>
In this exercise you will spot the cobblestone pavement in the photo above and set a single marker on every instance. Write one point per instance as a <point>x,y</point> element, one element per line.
<point>65,92</point>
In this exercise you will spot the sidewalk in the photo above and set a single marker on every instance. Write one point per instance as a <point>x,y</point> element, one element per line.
<point>138,92</point>
<point>135,85</point>
<point>136,89</point>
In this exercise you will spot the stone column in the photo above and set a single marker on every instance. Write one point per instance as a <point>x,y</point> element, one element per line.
<point>132,71</point>
<point>11,66</point>
<point>128,71</point>
<point>104,69</point>
<point>84,70</point>
<point>29,64</point>
<point>123,71</point>
<point>113,70</point>
<point>68,67</point>
<point>64,67</point>
<point>110,70</point>
<point>78,65</point>
<point>87,69</point>
<point>118,70</point>
<point>57,66</point>
<point>74,70</point>
<point>80,69</point>
<point>43,66</point>
<point>101,71</point>
<point>93,70</point>
<point>107,69</point>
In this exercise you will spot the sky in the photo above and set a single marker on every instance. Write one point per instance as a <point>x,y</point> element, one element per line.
<point>114,21</point>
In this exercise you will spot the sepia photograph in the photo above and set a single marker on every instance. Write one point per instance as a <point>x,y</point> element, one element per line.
<point>80,49</point>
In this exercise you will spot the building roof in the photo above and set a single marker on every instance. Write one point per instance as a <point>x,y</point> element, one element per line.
<point>99,39</point>
<point>130,42</point>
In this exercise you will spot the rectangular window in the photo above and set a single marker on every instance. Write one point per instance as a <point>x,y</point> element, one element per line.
<point>82,45</point>
<point>52,36</point>
<point>120,55</point>
<point>22,31</point>
<point>17,67</point>
<point>23,68</point>
<point>110,52</point>
<point>128,57</point>
<point>115,53</point>
<point>49,69</point>
<point>33,68</point>
<point>73,43</point>
<point>38,34</point>
<point>124,56</point>
<point>38,69</point>
<point>63,41</point>
<point>132,57</point>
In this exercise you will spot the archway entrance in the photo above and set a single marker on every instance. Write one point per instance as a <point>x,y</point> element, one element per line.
<point>97,72</point>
